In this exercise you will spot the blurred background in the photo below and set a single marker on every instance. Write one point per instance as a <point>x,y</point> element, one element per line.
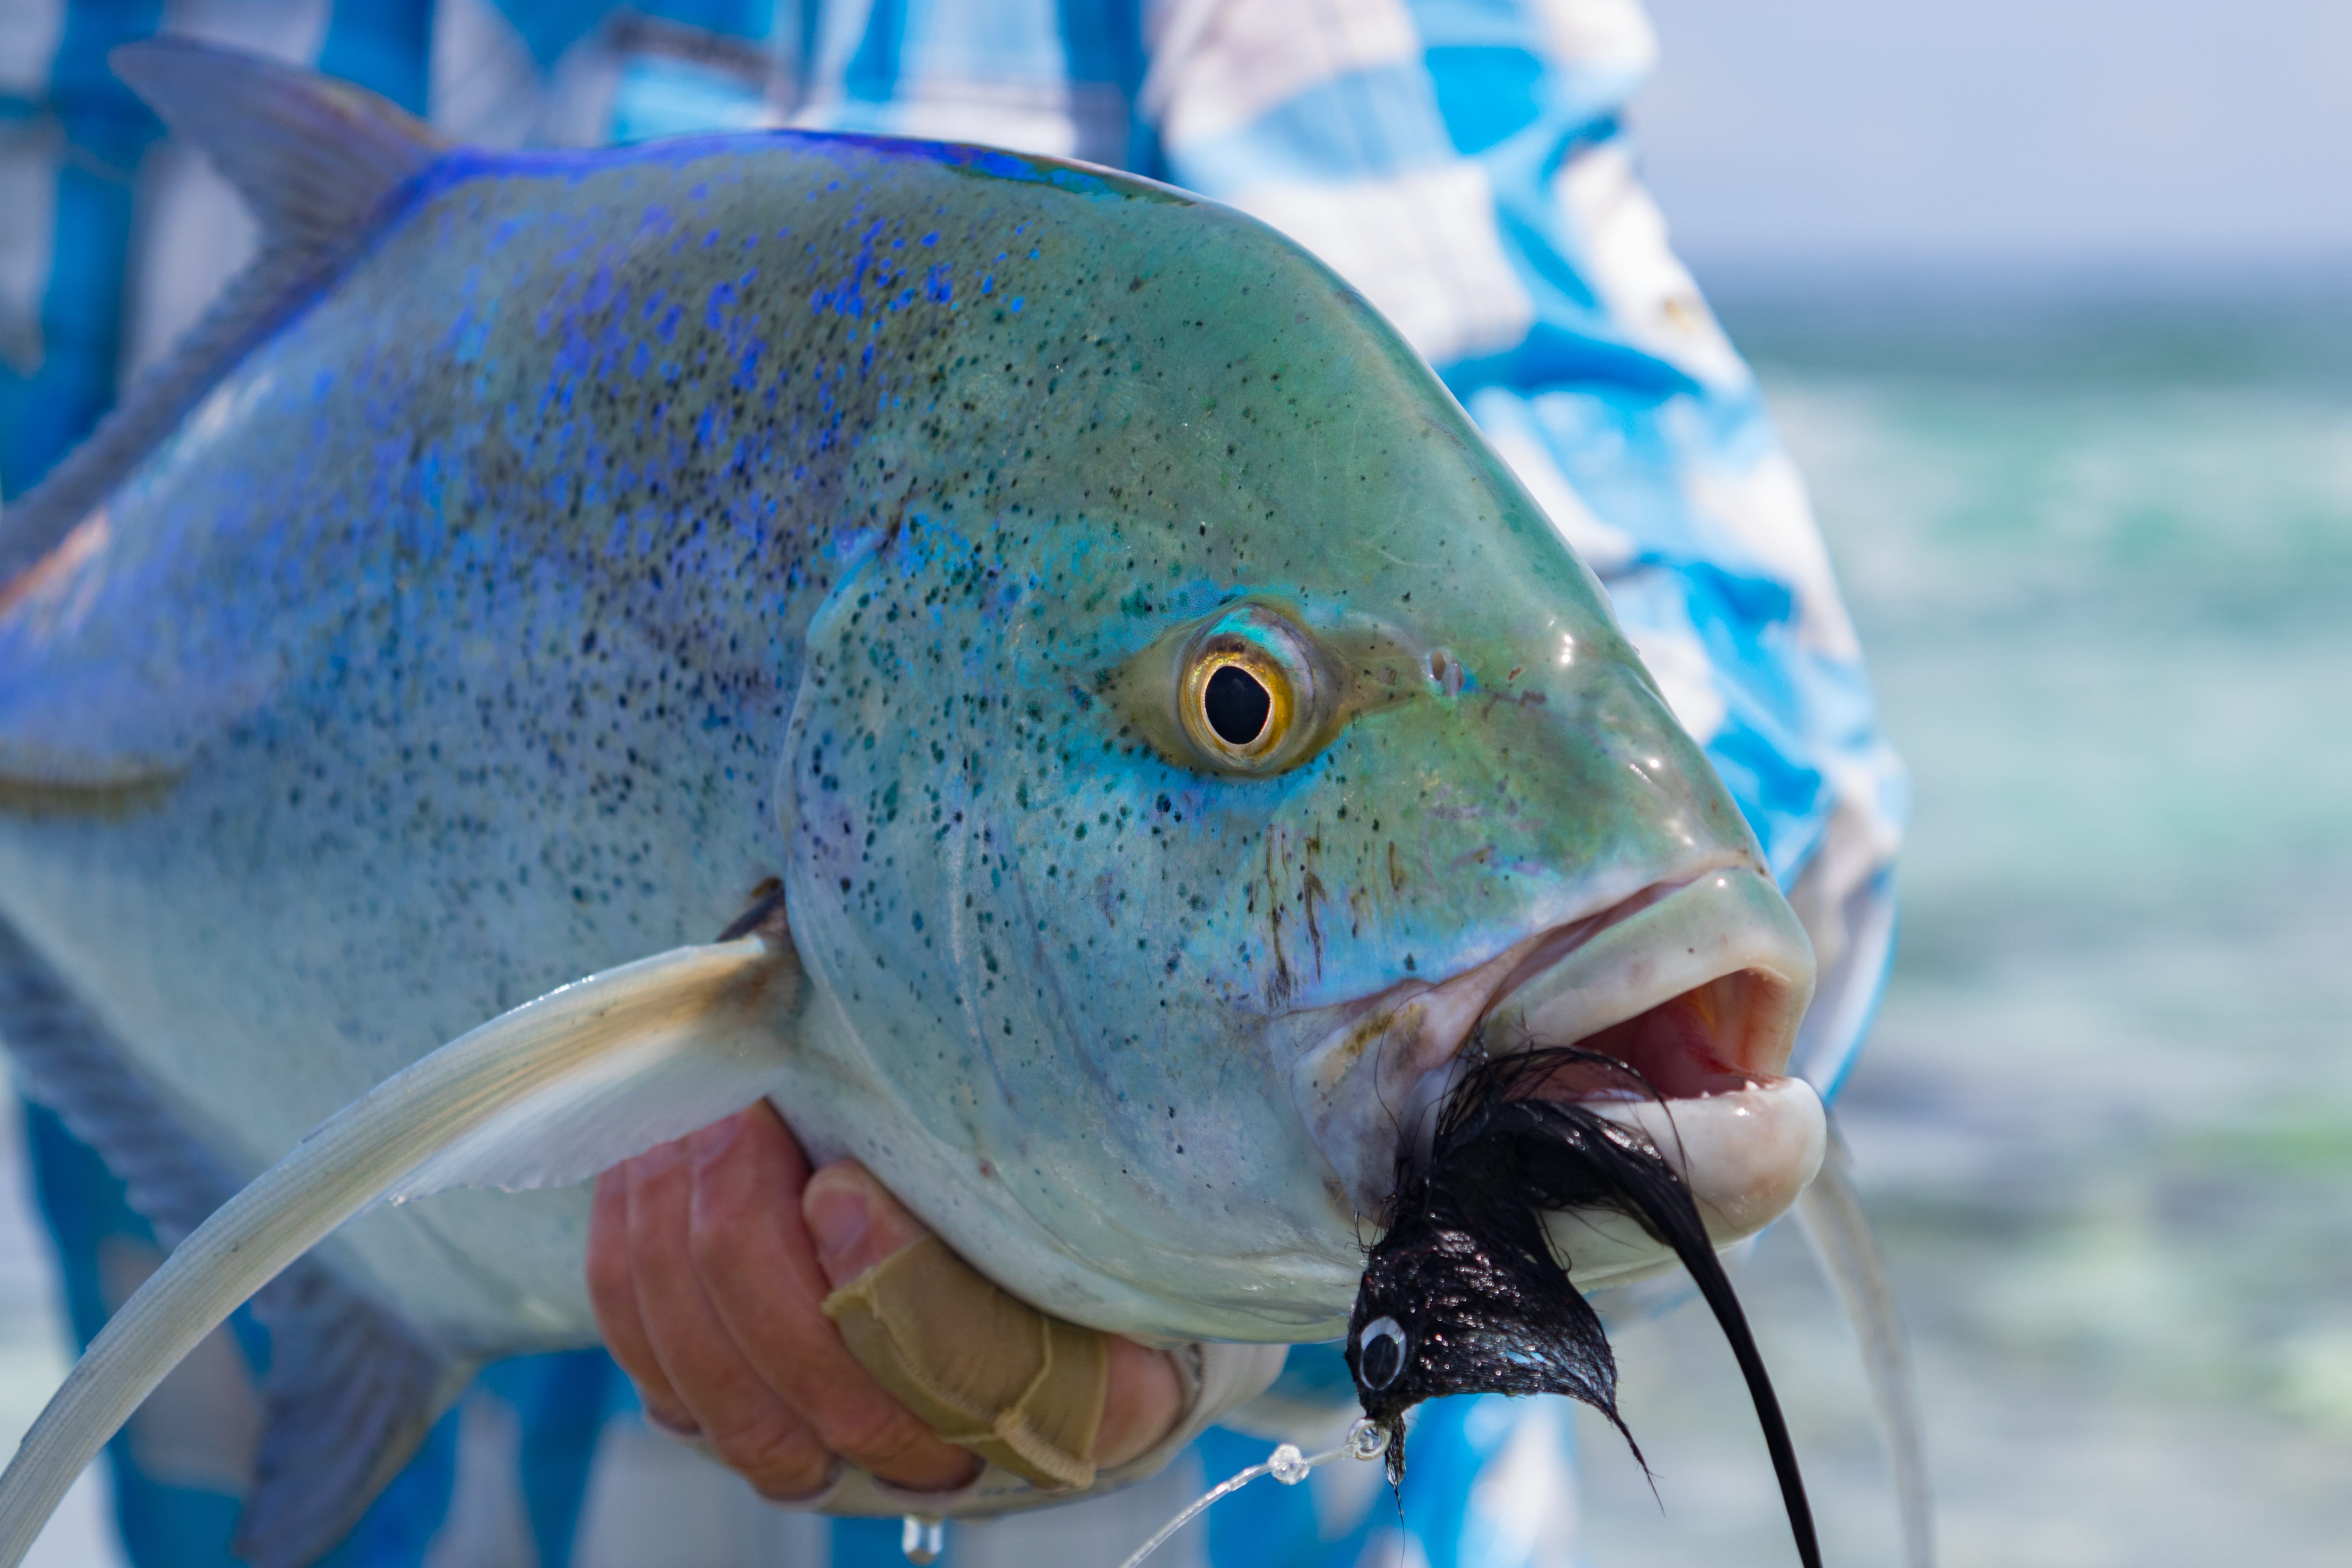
<point>2054,303</point>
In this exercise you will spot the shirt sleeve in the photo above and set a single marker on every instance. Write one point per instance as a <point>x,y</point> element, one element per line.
<point>1470,170</point>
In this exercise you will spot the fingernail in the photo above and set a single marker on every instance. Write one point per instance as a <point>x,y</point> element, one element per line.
<point>837,1219</point>
<point>674,1425</point>
<point>659,1160</point>
<point>709,1143</point>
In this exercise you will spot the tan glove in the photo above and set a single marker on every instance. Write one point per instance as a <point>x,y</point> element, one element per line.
<point>1220,1381</point>
<point>1022,1390</point>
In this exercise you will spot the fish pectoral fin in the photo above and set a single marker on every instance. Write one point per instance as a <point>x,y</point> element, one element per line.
<point>550,1092</point>
<point>660,1054</point>
<point>642,1054</point>
<point>351,1390</point>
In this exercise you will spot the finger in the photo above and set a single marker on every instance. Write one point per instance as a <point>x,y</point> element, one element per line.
<point>614,1294</point>
<point>1141,1403</point>
<point>759,1266</point>
<point>752,1430</point>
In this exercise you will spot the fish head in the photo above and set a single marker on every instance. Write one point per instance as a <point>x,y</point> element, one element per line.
<point>1216,749</point>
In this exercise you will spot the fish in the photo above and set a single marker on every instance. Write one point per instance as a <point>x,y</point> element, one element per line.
<point>1032,670</point>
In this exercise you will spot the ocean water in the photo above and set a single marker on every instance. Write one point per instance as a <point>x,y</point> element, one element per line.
<point>2101,557</point>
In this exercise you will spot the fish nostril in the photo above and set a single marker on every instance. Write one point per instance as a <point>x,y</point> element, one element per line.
<point>1447,672</point>
<point>1381,1352</point>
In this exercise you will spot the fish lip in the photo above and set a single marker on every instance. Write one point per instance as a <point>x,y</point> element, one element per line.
<point>1368,1088</point>
<point>1561,945</point>
<point>1532,954</point>
<point>1571,996</point>
<point>1745,1154</point>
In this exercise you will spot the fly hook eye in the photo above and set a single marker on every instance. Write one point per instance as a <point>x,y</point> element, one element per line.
<point>1381,1352</point>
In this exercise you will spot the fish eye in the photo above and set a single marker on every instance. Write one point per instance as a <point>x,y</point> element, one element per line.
<point>1381,1352</point>
<point>1247,690</point>
<point>1238,704</point>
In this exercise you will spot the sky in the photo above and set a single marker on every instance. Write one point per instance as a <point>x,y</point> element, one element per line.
<point>2018,136</point>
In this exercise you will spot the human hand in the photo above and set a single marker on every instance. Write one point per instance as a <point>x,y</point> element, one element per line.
<point>709,1262</point>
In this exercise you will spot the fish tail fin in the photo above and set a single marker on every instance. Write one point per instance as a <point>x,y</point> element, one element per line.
<point>351,1391</point>
<point>317,161</point>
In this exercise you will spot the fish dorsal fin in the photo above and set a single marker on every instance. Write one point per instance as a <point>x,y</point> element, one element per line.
<point>312,157</point>
<point>316,160</point>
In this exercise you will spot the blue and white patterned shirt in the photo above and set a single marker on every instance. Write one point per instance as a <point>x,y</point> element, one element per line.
<point>1466,163</point>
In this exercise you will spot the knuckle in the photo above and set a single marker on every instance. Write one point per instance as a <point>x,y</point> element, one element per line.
<point>803,1481</point>
<point>716,1257</point>
<point>877,1435</point>
<point>772,1449</point>
<point>711,1229</point>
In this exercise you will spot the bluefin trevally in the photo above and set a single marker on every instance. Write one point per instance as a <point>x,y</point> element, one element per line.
<point>1173,741</point>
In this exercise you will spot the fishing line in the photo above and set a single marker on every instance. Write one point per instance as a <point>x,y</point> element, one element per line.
<point>1365,1440</point>
<point>1829,1212</point>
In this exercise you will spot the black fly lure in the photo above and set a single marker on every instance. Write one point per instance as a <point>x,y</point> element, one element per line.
<point>1463,1295</point>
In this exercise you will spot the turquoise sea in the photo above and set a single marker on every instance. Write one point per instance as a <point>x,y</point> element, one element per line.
<point>2099,544</point>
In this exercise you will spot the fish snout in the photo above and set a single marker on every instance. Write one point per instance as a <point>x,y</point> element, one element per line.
<point>1696,985</point>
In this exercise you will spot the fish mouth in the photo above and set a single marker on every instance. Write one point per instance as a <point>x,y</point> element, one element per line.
<point>1696,982</point>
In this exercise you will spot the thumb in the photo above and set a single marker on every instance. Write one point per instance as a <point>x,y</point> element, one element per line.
<point>854,1221</point>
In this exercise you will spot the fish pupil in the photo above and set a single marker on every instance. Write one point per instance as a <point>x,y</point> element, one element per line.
<point>1237,705</point>
<point>1382,1355</point>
